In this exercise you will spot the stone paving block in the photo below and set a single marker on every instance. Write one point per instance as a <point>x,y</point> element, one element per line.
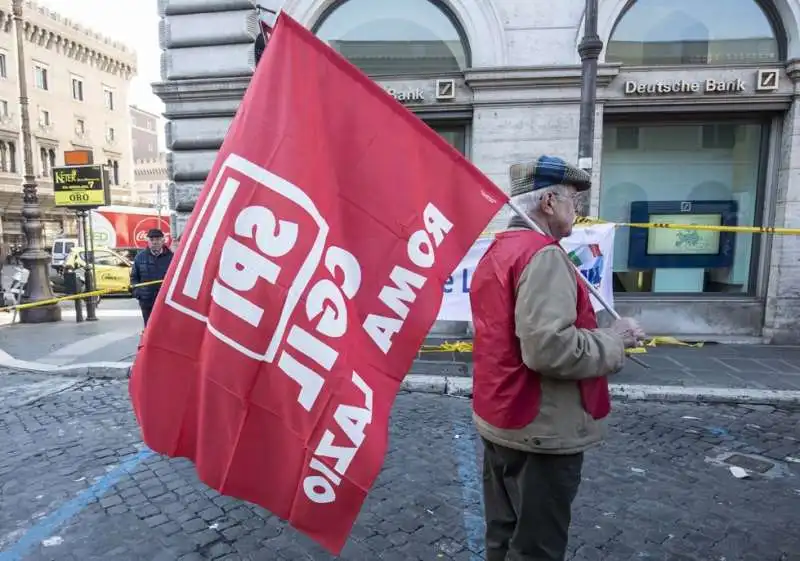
<point>437,368</point>
<point>424,384</point>
<point>419,504</point>
<point>459,387</point>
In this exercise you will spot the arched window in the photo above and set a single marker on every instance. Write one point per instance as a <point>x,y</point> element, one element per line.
<point>392,37</point>
<point>12,156</point>
<point>678,32</point>
<point>3,156</point>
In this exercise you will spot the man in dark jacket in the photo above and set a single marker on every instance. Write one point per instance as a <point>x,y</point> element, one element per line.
<point>149,265</point>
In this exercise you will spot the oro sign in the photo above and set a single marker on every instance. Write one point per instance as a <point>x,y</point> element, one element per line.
<point>80,187</point>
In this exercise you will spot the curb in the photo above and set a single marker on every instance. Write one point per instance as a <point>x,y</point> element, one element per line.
<point>462,387</point>
<point>83,370</point>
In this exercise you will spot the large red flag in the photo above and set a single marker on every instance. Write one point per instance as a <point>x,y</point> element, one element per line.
<point>308,276</point>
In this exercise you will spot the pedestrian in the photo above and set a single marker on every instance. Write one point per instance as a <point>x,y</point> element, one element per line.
<point>150,264</point>
<point>540,367</point>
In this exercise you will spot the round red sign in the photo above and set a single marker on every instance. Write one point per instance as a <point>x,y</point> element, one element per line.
<point>144,226</point>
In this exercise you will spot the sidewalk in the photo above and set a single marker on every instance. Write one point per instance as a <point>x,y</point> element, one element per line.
<point>753,367</point>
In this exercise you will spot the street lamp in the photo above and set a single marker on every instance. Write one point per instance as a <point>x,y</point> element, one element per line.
<point>589,50</point>
<point>35,258</point>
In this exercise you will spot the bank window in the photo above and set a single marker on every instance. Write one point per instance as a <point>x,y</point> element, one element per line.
<point>687,32</point>
<point>389,37</point>
<point>627,138</point>
<point>706,173</point>
<point>40,74</point>
<point>719,136</point>
<point>4,114</point>
<point>80,127</point>
<point>77,89</point>
<point>44,118</point>
<point>3,66</point>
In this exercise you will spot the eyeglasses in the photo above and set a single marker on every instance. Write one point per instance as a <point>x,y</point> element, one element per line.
<point>575,198</point>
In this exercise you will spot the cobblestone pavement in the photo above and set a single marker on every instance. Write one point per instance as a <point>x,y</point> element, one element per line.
<point>76,485</point>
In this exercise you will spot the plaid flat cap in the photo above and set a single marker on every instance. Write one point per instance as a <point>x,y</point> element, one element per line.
<point>546,171</point>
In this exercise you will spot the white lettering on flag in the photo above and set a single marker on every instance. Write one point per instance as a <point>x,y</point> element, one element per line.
<point>381,328</point>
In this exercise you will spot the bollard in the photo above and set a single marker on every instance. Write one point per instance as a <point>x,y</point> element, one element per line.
<point>78,311</point>
<point>71,287</point>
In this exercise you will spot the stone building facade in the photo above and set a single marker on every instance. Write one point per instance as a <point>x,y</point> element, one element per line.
<point>696,114</point>
<point>78,85</point>
<point>151,186</point>
<point>144,134</point>
<point>151,181</point>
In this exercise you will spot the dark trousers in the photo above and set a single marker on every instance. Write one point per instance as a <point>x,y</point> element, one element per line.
<point>147,308</point>
<point>528,503</point>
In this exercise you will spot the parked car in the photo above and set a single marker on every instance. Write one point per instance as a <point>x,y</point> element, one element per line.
<point>112,269</point>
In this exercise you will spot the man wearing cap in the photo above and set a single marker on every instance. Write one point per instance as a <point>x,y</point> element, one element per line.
<point>540,367</point>
<point>149,265</point>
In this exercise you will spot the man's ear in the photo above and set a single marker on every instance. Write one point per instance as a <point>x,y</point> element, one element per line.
<point>546,206</point>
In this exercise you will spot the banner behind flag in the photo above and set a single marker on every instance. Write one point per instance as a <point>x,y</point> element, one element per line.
<point>591,248</point>
<point>308,276</point>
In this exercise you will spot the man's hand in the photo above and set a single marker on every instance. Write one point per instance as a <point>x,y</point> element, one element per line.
<point>630,331</point>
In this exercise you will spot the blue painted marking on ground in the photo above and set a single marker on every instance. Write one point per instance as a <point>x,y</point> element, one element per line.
<point>471,489</point>
<point>50,523</point>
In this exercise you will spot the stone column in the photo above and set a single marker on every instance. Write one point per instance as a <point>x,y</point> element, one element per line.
<point>783,293</point>
<point>206,65</point>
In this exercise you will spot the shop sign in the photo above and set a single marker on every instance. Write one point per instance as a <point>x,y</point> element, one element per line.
<point>408,95</point>
<point>79,187</point>
<point>708,86</point>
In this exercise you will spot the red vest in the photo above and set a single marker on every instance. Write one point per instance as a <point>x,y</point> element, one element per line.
<point>506,393</point>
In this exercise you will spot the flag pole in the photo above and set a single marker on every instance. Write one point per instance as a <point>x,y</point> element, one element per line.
<point>592,288</point>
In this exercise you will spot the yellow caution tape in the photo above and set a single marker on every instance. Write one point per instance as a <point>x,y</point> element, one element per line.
<point>81,296</point>
<point>588,221</point>
<point>659,341</point>
<point>467,346</point>
<point>457,347</point>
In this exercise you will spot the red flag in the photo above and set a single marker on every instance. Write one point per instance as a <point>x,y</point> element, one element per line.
<point>308,276</point>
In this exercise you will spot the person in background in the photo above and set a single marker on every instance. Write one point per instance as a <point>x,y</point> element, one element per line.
<point>150,264</point>
<point>540,393</point>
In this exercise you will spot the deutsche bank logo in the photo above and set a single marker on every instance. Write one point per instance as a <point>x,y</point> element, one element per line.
<point>767,81</point>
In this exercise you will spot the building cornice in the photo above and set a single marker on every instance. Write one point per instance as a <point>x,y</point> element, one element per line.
<point>536,77</point>
<point>50,30</point>
<point>204,97</point>
<point>201,89</point>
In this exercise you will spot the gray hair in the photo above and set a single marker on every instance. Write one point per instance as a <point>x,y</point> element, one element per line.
<point>529,202</point>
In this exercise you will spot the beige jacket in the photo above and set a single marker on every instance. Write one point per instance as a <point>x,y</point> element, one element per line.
<point>545,314</point>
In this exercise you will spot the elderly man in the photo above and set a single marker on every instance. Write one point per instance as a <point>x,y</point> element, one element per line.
<point>150,265</point>
<point>540,389</point>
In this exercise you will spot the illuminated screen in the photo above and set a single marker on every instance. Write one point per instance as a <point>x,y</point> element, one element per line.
<point>663,241</point>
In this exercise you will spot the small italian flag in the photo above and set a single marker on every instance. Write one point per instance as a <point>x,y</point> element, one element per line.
<point>585,254</point>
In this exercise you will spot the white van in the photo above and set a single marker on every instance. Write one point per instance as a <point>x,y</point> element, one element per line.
<point>61,248</point>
